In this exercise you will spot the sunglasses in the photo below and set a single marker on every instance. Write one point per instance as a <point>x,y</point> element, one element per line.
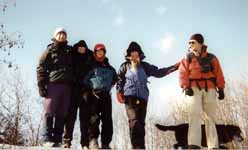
<point>191,42</point>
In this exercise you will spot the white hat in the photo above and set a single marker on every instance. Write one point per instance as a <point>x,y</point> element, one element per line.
<point>58,30</point>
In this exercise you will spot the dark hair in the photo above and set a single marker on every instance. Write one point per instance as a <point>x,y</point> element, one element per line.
<point>134,46</point>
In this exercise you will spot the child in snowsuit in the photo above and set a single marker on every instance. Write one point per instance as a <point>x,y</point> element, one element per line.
<point>100,80</point>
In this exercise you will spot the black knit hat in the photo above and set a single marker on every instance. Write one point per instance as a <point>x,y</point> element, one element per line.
<point>198,37</point>
<point>134,46</point>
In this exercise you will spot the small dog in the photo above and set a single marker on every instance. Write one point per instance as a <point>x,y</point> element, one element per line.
<point>226,133</point>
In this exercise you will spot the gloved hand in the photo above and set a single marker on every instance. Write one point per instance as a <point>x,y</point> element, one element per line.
<point>43,92</point>
<point>221,94</point>
<point>120,97</point>
<point>189,92</point>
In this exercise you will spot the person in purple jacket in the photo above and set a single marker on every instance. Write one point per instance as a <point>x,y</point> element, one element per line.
<point>133,91</point>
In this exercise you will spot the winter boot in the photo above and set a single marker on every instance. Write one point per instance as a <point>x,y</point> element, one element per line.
<point>194,147</point>
<point>104,146</point>
<point>58,129</point>
<point>47,131</point>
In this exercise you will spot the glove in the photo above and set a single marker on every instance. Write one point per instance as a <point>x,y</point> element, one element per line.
<point>120,97</point>
<point>43,92</point>
<point>221,94</point>
<point>189,92</point>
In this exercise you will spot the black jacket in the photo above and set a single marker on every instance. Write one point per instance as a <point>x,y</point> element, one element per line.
<point>55,65</point>
<point>81,65</point>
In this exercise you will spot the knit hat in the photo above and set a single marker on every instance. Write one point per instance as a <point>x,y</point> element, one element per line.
<point>198,37</point>
<point>134,46</point>
<point>58,30</point>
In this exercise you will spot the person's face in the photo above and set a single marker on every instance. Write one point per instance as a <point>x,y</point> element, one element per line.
<point>194,45</point>
<point>100,53</point>
<point>135,56</point>
<point>61,37</point>
<point>81,50</point>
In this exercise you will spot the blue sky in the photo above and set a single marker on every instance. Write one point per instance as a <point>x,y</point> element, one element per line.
<point>162,28</point>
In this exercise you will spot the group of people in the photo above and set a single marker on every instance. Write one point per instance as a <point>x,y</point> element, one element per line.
<point>72,78</point>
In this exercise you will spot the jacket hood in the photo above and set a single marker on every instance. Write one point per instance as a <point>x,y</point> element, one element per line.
<point>134,46</point>
<point>81,43</point>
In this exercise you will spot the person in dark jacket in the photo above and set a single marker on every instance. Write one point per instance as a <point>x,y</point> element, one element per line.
<point>82,59</point>
<point>54,75</point>
<point>100,80</point>
<point>133,91</point>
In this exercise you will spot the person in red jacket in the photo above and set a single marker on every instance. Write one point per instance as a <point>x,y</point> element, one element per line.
<point>201,77</point>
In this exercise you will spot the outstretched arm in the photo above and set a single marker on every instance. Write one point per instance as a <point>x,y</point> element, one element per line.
<point>152,70</point>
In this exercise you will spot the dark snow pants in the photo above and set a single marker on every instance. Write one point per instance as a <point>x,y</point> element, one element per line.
<point>101,110</point>
<point>78,102</point>
<point>136,112</point>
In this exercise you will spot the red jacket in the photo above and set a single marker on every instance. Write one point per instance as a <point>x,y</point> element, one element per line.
<point>192,70</point>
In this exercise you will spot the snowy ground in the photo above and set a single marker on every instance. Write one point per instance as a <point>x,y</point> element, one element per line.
<point>11,147</point>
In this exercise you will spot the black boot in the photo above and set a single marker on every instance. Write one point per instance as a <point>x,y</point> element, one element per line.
<point>58,130</point>
<point>194,147</point>
<point>47,132</point>
<point>105,146</point>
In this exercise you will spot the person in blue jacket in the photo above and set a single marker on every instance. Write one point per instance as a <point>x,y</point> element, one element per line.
<point>99,81</point>
<point>133,91</point>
